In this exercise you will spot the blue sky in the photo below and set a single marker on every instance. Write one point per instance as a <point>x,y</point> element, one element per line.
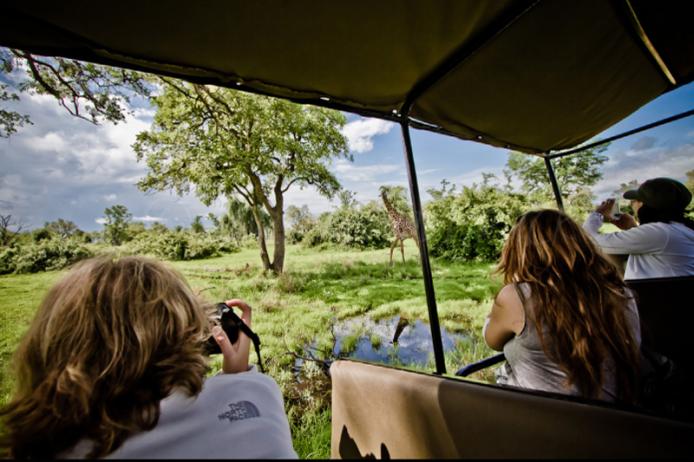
<point>62,167</point>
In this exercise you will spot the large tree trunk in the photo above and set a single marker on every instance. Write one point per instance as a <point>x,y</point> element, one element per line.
<point>277,215</point>
<point>264,256</point>
<point>278,231</point>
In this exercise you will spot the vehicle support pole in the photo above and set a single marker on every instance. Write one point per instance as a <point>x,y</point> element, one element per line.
<point>555,185</point>
<point>423,251</point>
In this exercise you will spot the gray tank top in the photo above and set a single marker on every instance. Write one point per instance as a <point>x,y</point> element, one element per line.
<point>527,366</point>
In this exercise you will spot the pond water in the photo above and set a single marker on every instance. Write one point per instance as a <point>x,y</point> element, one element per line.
<point>385,341</point>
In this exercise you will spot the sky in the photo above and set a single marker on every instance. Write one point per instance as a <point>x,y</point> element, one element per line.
<point>64,167</point>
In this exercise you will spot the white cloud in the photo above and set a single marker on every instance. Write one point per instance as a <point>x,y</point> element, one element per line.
<point>101,221</point>
<point>629,164</point>
<point>475,176</point>
<point>51,141</point>
<point>110,197</point>
<point>350,172</point>
<point>310,197</point>
<point>360,133</point>
<point>149,219</point>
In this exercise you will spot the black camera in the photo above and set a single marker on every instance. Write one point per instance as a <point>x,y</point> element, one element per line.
<point>233,326</point>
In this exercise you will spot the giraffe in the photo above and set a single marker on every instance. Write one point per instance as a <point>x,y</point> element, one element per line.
<point>403,227</point>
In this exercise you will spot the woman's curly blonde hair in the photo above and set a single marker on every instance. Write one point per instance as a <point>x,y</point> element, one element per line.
<point>109,341</point>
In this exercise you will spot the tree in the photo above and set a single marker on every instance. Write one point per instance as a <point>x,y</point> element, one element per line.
<point>624,187</point>
<point>196,226</point>
<point>228,143</point>
<point>575,175</point>
<point>300,222</point>
<point>397,196</point>
<point>116,226</point>
<point>7,235</point>
<point>88,91</point>
<point>158,228</point>
<point>63,228</point>
<point>346,198</point>
<point>239,221</point>
<point>214,220</point>
<point>573,172</point>
<point>135,228</point>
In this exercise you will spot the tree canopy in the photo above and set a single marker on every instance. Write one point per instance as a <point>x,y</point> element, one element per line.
<point>227,143</point>
<point>88,91</point>
<point>116,224</point>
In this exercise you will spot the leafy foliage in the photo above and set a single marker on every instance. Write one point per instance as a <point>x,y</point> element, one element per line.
<point>45,255</point>
<point>228,143</point>
<point>173,245</point>
<point>472,224</point>
<point>575,174</point>
<point>196,226</point>
<point>88,91</point>
<point>354,226</point>
<point>7,233</point>
<point>240,221</point>
<point>63,228</point>
<point>116,226</point>
<point>300,223</point>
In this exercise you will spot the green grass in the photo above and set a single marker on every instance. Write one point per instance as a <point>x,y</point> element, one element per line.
<point>20,295</point>
<point>298,308</point>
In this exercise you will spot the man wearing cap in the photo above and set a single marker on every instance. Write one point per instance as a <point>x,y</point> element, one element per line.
<point>662,243</point>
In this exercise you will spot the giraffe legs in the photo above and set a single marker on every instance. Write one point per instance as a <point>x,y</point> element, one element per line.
<point>402,249</point>
<point>392,246</point>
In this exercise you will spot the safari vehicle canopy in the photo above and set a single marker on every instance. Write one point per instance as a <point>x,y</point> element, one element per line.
<point>538,76</point>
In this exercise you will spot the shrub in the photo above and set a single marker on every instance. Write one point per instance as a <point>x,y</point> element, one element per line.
<point>249,241</point>
<point>42,234</point>
<point>179,245</point>
<point>45,255</point>
<point>352,226</point>
<point>7,256</point>
<point>472,224</point>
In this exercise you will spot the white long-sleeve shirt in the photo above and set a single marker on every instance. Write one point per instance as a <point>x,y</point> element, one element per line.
<point>235,416</point>
<point>656,250</point>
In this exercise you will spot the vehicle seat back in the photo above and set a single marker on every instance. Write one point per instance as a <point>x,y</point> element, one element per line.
<point>383,412</point>
<point>666,309</point>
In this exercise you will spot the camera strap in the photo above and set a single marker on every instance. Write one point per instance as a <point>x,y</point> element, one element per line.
<point>256,343</point>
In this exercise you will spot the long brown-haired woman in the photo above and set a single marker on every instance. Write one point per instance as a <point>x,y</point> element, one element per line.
<point>113,366</point>
<point>564,319</point>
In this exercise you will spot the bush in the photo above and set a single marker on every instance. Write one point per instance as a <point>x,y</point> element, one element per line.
<point>45,255</point>
<point>7,256</point>
<point>352,226</point>
<point>249,241</point>
<point>179,245</point>
<point>472,224</point>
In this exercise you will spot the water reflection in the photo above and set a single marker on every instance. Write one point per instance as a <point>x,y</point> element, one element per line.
<point>392,340</point>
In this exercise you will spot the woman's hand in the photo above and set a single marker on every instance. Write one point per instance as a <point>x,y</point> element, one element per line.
<point>624,221</point>
<point>605,209</point>
<point>235,355</point>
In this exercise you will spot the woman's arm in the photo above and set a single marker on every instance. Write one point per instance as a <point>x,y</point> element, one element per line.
<point>505,320</point>
<point>639,240</point>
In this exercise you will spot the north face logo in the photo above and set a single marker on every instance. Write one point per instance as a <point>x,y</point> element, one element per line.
<point>240,411</point>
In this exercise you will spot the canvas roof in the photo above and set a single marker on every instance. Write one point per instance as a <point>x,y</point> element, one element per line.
<point>535,76</point>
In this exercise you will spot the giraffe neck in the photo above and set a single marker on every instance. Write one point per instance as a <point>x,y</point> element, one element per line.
<point>389,207</point>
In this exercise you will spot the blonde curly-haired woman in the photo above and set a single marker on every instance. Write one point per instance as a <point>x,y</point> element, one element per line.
<point>113,366</point>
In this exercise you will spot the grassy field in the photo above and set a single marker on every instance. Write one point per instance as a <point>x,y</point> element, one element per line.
<point>318,290</point>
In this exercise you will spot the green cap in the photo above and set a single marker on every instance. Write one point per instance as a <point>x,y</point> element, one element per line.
<point>662,193</point>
